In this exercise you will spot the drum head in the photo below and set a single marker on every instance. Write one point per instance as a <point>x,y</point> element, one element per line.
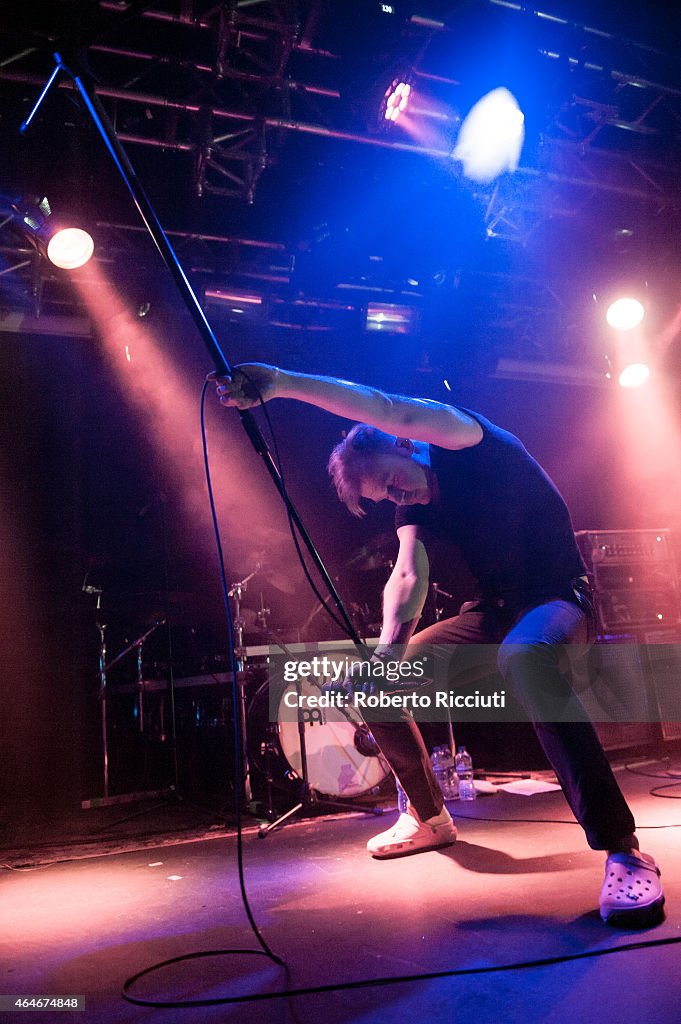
<point>339,760</point>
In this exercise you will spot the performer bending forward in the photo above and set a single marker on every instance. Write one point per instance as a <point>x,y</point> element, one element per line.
<point>450,471</point>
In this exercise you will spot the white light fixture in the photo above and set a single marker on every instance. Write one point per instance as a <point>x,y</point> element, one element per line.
<point>625,314</point>
<point>491,137</point>
<point>70,248</point>
<point>66,246</point>
<point>635,375</point>
<point>390,318</point>
<point>396,100</point>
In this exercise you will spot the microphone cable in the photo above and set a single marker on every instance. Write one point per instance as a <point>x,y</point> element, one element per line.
<point>238,766</point>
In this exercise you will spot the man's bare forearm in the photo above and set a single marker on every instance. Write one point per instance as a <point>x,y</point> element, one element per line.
<point>418,418</point>
<point>403,602</point>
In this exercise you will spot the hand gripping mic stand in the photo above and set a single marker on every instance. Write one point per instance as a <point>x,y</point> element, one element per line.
<point>222,368</point>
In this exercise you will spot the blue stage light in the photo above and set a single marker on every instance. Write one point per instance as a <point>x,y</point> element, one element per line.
<point>491,137</point>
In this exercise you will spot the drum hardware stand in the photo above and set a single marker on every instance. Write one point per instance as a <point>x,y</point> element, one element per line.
<point>263,615</point>
<point>139,644</point>
<point>318,607</point>
<point>235,593</point>
<point>308,797</point>
<point>267,749</point>
<point>436,590</point>
<point>104,668</point>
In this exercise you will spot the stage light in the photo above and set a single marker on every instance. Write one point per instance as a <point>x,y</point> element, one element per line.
<point>234,302</point>
<point>635,375</point>
<point>222,295</point>
<point>395,100</point>
<point>491,137</point>
<point>69,248</point>
<point>390,318</point>
<point>625,314</point>
<point>64,245</point>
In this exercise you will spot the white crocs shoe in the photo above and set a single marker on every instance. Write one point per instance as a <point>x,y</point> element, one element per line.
<point>631,896</point>
<point>409,835</point>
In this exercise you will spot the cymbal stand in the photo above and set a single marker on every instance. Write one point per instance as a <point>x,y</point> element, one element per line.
<point>263,615</point>
<point>436,590</point>
<point>102,674</point>
<point>101,629</point>
<point>235,593</point>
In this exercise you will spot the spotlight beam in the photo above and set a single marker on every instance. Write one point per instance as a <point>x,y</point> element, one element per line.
<point>144,208</point>
<point>148,214</point>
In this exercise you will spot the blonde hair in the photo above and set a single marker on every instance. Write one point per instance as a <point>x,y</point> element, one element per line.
<point>352,461</point>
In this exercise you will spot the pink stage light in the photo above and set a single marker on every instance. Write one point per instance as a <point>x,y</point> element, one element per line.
<point>635,375</point>
<point>70,248</point>
<point>625,314</point>
<point>395,100</point>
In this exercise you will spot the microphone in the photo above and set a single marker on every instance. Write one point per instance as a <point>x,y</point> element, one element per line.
<point>364,742</point>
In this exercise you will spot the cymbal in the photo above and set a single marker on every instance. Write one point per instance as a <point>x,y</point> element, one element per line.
<point>274,566</point>
<point>280,578</point>
<point>378,553</point>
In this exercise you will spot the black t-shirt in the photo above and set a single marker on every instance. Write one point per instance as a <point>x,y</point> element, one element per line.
<point>499,507</point>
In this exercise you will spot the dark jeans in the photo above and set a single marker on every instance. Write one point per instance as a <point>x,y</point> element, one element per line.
<point>533,656</point>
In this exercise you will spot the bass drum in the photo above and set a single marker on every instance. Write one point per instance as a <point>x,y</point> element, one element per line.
<point>342,758</point>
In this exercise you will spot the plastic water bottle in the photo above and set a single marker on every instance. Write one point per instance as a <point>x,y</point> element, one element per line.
<point>443,766</point>
<point>449,782</point>
<point>402,802</point>
<point>464,773</point>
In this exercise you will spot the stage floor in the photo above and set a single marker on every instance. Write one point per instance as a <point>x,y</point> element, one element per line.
<point>519,885</point>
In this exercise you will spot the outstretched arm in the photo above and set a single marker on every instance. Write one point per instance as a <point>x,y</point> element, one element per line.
<point>419,419</point>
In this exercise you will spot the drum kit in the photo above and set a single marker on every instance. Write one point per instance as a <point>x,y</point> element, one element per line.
<point>327,757</point>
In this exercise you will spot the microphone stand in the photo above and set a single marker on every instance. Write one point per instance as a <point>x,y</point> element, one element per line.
<point>83,84</point>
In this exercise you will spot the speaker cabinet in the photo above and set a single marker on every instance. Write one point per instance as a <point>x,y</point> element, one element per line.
<point>662,651</point>
<point>634,578</point>
<point>619,689</point>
